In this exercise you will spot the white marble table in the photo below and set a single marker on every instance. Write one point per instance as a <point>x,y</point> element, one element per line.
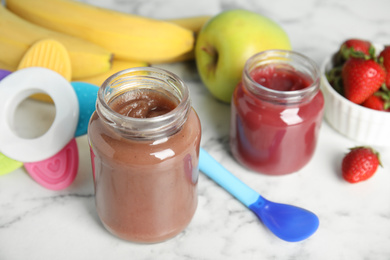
<point>36,223</point>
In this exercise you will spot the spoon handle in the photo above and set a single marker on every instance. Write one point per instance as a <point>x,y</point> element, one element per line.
<point>213,169</point>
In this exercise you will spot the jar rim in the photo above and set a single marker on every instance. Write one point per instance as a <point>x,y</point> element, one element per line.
<point>281,56</point>
<point>144,127</point>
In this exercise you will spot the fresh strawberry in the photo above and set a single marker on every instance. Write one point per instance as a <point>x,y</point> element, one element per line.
<point>380,100</point>
<point>374,102</point>
<point>351,46</point>
<point>356,48</point>
<point>385,56</point>
<point>361,78</point>
<point>360,164</point>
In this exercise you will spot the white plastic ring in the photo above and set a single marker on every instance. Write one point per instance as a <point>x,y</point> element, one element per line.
<point>17,87</point>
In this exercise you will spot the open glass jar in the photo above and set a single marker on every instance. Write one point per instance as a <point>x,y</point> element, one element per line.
<point>276,112</point>
<point>144,138</point>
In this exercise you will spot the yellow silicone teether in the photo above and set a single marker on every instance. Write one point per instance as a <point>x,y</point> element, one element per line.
<point>50,54</point>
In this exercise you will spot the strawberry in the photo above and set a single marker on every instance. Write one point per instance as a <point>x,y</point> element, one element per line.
<point>384,55</point>
<point>380,100</point>
<point>360,164</point>
<point>361,78</point>
<point>353,48</point>
<point>375,102</point>
<point>356,45</point>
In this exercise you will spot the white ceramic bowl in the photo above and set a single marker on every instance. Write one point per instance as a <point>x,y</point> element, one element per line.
<point>363,125</point>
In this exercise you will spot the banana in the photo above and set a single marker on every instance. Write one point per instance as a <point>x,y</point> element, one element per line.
<point>129,37</point>
<point>117,65</point>
<point>194,24</point>
<point>17,35</point>
<point>5,66</point>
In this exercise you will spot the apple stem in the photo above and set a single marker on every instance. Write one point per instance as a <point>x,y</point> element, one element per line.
<point>212,52</point>
<point>209,51</point>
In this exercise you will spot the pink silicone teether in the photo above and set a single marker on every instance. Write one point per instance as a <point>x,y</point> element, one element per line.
<point>58,171</point>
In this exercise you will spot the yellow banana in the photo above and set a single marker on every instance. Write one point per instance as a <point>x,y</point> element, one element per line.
<point>194,24</point>
<point>129,37</point>
<point>188,56</point>
<point>117,65</point>
<point>5,66</point>
<point>17,35</point>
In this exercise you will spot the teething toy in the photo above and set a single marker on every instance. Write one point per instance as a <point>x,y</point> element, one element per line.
<point>86,94</point>
<point>4,73</point>
<point>20,85</point>
<point>57,172</point>
<point>51,159</point>
<point>8,165</point>
<point>50,54</point>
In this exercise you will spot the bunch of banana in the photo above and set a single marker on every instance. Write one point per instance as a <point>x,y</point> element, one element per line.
<point>129,37</point>
<point>17,35</point>
<point>194,24</point>
<point>128,40</point>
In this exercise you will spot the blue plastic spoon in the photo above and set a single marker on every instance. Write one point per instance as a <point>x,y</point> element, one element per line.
<point>287,222</point>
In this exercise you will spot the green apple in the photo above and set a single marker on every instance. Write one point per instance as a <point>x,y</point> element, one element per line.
<point>227,41</point>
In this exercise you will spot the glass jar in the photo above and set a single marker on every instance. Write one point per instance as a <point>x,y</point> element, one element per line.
<point>145,138</point>
<point>276,112</point>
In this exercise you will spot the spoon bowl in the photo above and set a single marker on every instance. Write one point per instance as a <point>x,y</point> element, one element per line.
<point>287,222</point>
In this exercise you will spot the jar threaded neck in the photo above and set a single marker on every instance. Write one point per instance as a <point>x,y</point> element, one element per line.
<point>288,60</point>
<point>139,79</point>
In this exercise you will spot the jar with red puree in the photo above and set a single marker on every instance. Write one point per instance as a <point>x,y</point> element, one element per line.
<point>144,138</point>
<point>276,112</point>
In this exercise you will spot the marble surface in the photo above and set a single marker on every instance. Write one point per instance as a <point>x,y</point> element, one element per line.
<point>36,223</point>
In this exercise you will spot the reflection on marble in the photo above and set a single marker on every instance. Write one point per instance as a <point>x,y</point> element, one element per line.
<point>36,223</point>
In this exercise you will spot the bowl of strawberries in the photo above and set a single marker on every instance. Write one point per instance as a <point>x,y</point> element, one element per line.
<point>356,87</point>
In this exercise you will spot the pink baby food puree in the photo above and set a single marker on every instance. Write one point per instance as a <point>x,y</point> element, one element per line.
<point>275,119</point>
